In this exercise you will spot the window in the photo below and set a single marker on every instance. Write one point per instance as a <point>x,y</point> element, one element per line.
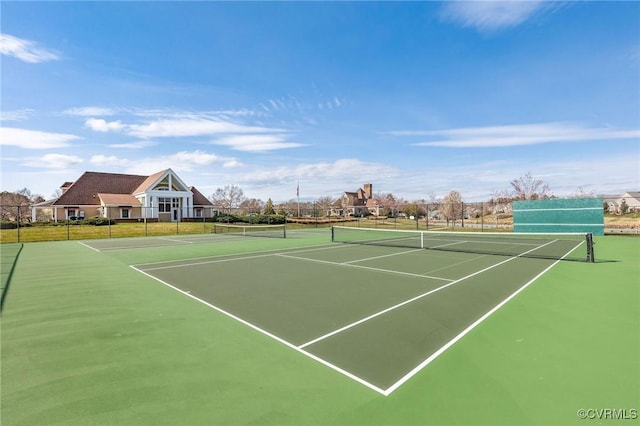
<point>197,212</point>
<point>72,214</point>
<point>124,214</point>
<point>164,205</point>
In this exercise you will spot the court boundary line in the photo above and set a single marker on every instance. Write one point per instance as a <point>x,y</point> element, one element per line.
<point>406,302</point>
<point>469,328</point>
<point>267,333</point>
<point>239,256</point>
<point>415,370</point>
<point>202,240</point>
<point>463,333</point>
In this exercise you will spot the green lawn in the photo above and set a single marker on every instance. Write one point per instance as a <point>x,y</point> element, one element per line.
<point>88,340</point>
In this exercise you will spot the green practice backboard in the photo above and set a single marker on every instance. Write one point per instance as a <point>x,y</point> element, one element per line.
<point>559,215</point>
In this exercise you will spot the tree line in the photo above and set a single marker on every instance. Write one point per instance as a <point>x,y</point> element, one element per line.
<point>232,198</point>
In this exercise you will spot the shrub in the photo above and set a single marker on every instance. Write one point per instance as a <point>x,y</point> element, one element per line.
<point>5,224</point>
<point>99,221</point>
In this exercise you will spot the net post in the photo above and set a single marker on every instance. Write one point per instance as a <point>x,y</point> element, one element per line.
<point>332,234</point>
<point>591,258</point>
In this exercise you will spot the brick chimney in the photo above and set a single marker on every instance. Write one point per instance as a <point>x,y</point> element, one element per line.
<point>368,190</point>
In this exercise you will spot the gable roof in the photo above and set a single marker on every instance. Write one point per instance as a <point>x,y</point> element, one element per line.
<point>633,194</point>
<point>85,190</point>
<point>150,180</point>
<point>198,198</point>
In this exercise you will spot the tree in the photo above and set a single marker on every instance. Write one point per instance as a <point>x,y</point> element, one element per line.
<point>268,208</point>
<point>387,202</point>
<point>500,202</point>
<point>228,198</point>
<point>251,205</point>
<point>324,204</point>
<point>452,206</point>
<point>19,201</point>
<point>624,207</point>
<point>415,209</point>
<point>529,188</point>
<point>582,193</point>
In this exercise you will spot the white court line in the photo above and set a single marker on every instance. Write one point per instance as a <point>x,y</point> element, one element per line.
<point>406,302</point>
<point>395,386</point>
<point>351,265</point>
<point>265,332</point>
<point>88,246</point>
<point>466,331</point>
<point>450,244</point>
<point>240,256</point>
<point>380,257</point>
<point>177,241</point>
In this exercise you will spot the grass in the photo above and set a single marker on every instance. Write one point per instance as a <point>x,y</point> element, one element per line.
<point>88,340</point>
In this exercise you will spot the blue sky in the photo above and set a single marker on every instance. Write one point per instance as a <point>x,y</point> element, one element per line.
<point>418,98</point>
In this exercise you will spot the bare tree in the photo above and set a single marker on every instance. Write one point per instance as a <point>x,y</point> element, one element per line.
<point>229,197</point>
<point>582,193</point>
<point>500,202</point>
<point>387,202</point>
<point>452,206</point>
<point>324,204</point>
<point>251,205</point>
<point>529,188</point>
<point>19,201</point>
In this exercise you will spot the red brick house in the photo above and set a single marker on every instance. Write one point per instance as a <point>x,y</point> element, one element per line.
<point>358,203</point>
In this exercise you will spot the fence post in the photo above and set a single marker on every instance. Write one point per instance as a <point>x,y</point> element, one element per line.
<point>426,216</point>
<point>18,223</point>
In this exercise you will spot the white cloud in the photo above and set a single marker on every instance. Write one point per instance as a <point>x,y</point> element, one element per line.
<point>17,115</point>
<point>197,157</point>
<point>518,135</point>
<point>199,126</point>
<point>54,161</point>
<point>490,15</point>
<point>232,164</point>
<point>90,111</point>
<point>33,139</point>
<point>323,175</point>
<point>256,143</point>
<point>100,125</point>
<point>133,145</point>
<point>25,50</point>
<point>180,162</point>
<point>103,160</point>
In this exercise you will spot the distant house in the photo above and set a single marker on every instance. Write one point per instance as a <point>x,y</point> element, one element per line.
<point>358,203</point>
<point>162,197</point>
<point>631,199</point>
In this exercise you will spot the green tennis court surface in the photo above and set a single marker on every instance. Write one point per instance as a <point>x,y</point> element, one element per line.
<point>377,314</point>
<point>218,329</point>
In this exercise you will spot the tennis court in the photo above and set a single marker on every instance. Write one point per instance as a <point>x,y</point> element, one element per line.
<point>377,311</point>
<point>303,330</point>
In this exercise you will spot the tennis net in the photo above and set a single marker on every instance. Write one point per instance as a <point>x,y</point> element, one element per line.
<point>565,246</point>
<point>270,231</point>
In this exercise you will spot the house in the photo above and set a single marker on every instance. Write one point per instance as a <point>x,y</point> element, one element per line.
<point>358,203</point>
<point>615,202</point>
<point>162,197</point>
